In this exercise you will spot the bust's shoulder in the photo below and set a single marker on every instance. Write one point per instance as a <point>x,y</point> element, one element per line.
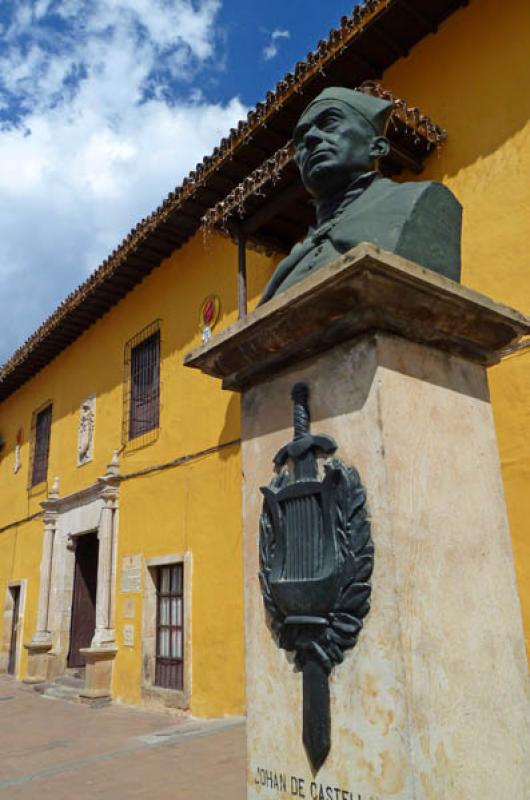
<point>432,222</point>
<point>412,192</point>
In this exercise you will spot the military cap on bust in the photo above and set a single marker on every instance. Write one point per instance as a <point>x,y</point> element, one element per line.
<point>373,109</point>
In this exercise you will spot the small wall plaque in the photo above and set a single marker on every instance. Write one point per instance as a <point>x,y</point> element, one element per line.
<point>131,574</point>
<point>128,609</point>
<point>128,635</point>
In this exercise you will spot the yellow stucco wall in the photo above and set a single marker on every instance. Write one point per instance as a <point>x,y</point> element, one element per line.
<point>195,412</point>
<point>194,507</point>
<point>20,551</point>
<point>471,78</point>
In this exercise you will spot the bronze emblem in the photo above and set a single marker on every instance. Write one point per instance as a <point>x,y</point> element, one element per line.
<point>316,559</point>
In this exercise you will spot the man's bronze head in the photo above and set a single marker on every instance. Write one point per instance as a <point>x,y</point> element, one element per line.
<point>340,136</point>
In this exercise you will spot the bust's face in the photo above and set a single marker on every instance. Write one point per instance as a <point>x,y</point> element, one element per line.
<point>333,146</point>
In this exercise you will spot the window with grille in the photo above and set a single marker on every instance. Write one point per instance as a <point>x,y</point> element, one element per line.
<point>170,627</point>
<point>41,445</point>
<point>142,356</point>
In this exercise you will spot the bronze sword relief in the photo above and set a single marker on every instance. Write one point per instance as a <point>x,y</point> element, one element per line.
<point>316,561</point>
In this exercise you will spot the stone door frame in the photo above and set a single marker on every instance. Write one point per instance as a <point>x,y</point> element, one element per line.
<point>7,616</point>
<point>78,515</point>
<point>158,695</point>
<point>94,508</point>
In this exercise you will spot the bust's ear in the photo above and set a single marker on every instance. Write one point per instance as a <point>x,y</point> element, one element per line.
<point>380,147</point>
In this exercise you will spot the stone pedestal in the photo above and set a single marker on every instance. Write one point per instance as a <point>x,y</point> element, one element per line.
<point>98,672</point>
<point>38,656</point>
<point>432,702</point>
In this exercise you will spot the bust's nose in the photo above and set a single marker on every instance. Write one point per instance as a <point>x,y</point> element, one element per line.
<point>312,136</point>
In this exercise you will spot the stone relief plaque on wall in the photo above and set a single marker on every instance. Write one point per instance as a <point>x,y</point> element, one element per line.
<point>128,609</point>
<point>17,464</point>
<point>85,436</point>
<point>128,635</point>
<point>131,574</point>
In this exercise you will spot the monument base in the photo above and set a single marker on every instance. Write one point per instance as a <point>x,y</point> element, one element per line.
<point>432,702</point>
<point>38,658</point>
<point>442,655</point>
<point>98,672</point>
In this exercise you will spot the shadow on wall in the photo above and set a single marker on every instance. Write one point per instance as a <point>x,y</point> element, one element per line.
<point>359,378</point>
<point>232,425</point>
<point>470,77</point>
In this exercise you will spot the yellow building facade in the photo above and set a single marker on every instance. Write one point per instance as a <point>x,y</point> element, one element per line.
<point>168,512</point>
<point>165,503</point>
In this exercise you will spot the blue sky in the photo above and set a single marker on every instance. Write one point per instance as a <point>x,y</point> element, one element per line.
<point>249,28</point>
<point>105,105</point>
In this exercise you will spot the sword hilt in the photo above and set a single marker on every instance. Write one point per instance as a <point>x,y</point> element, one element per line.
<point>301,418</point>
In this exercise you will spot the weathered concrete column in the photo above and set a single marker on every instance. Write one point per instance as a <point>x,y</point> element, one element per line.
<point>41,642</point>
<point>100,655</point>
<point>433,699</point>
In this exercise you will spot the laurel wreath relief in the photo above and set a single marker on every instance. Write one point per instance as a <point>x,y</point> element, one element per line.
<point>355,560</point>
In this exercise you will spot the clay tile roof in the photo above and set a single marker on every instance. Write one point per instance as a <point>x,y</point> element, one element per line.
<point>366,42</point>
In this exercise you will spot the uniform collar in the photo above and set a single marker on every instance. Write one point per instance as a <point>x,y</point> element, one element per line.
<point>331,206</point>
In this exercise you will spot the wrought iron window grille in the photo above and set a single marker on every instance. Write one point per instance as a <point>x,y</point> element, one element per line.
<point>141,387</point>
<point>41,423</point>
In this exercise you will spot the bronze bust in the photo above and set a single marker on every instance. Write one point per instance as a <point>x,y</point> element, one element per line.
<point>339,139</point>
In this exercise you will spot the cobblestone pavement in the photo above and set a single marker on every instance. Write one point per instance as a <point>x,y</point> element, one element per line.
<point>56,749</point>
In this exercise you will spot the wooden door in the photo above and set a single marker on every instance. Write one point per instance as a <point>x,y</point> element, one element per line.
<point>12,663</point>
<point>84,598</point>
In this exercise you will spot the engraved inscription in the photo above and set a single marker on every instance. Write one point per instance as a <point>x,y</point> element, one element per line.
<point>282,784</point>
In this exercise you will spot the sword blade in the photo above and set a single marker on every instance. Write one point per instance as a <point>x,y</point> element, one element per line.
<point>316,715</point>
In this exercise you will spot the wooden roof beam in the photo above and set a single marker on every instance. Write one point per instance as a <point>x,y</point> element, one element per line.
<point>271,243</point>
<point>194,205</point>
<point>404,159</point>
<point>183,220</point>
<point>276,139</point>
<point>74,327</point>
<point>429,25</point>
<point>155,249</point>
<point>123,282</point>
<point>206,196</point>
<point>270,210</point>
<point>391,43</point>
<point>217,180</point>
<point>374,70</point>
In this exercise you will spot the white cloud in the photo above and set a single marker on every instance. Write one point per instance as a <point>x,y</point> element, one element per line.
<point>108,122</point>
<point>271,49</point>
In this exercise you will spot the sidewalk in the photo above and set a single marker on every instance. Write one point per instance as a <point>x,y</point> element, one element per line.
<point>54,749</point>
